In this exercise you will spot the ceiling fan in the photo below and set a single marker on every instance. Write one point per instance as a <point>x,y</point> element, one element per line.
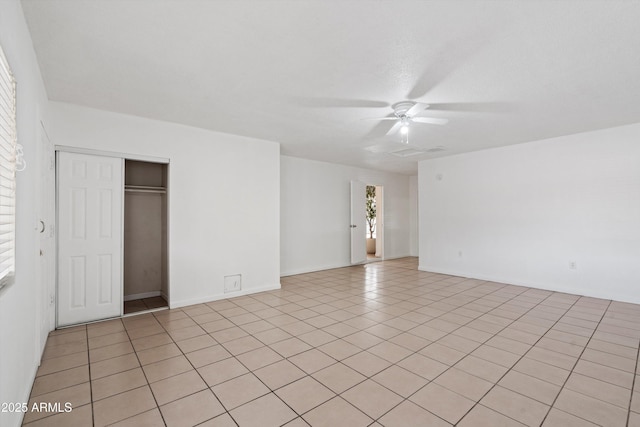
<point>404,114</point>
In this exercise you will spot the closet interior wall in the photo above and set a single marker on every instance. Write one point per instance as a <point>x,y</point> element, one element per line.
<point>145,230</point>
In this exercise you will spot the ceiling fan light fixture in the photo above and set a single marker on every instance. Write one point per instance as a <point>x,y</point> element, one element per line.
<point>404,137</point>
<point>404,128</point>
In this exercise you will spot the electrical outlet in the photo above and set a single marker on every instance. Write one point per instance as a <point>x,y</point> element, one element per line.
<point>573,265</point>
<point>232,283</point>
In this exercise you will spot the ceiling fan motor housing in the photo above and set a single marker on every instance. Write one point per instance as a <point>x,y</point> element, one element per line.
<point>400,109</point>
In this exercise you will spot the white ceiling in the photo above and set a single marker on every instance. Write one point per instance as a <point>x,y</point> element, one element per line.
<point>305,73</point>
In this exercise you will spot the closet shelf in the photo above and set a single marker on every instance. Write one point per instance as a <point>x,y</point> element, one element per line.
<point>144,189</point>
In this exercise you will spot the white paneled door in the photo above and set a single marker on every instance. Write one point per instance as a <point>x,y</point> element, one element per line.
<point>358,222</point>
<point>90,194</point>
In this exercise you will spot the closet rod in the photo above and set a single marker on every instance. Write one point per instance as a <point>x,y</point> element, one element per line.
<point>144,187</point>
<point>139,190</point>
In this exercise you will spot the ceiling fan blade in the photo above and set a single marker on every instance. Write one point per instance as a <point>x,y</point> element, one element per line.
<point>381,118</point>
<point>327,102</point>
<point>418,107</point>
<point>395,128</point>
<point>379,130</point>
<point>475,107</point>
<point>430,120</point>
<point>449,58</point>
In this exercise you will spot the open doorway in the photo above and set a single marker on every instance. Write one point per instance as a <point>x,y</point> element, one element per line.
<point>375,223</point>
<point>145,236</point>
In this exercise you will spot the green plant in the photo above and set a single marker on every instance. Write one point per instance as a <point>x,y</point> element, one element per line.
<point>371,209</point>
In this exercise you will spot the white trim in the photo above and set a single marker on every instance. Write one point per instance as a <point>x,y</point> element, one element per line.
<point>121,290</point>
<point>379,222</point>
<point>604,294</point>
<point>314,269</point>
<point>211,298</point>
<point>53,210</point>
<point>397,257</point>
<point>126,156</point>
<point>143,295</point>
<point>58,328</point>
<point>147,311</point>
<point>29,386</point>
<point>167,243</point>
<point>333,266</point>
<point>56,242</point>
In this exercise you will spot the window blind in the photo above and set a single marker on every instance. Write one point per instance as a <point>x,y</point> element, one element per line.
<point>8,141</point>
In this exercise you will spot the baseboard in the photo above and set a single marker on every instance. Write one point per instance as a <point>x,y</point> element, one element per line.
<point>634,299</point>
<point>398,257</point>
<point>330,267</point>
<point>142,295</point>
<point>217,297</point>
<point>27,393</point>
<point>312,269</point>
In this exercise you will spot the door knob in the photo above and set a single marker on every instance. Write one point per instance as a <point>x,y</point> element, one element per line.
<point>42,226</point>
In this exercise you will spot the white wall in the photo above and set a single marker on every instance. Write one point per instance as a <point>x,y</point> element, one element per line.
<point>521,214</point>
<point>224,197</point>
<point>19,314</point>
<point>413,215</point>
<point>315,210</point>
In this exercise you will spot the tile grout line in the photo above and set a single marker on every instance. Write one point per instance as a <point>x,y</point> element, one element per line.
<point>483,343</point>
<point>633,385</point>
<point>478,285</point>
<point>495,383</point>
<point>63,388</point>
<point>148,385</point>
<point>273,391</point>
<point>575,364</point>
<point>307,375</point>
<point>310,375</point>
<point>93,414</point>
<point>129,338</point>
<point>393,296</point>
<point>411,354</point>
<point>226,411</point>
<point>416,352</point>
<point>466,290</point>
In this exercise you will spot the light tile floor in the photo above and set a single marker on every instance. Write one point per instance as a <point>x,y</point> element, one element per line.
<point>381,344</point>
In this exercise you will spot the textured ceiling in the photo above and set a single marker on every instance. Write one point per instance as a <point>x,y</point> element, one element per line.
<point>306,73</point>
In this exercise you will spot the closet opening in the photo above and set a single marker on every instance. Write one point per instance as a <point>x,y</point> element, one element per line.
<point>145,272</point>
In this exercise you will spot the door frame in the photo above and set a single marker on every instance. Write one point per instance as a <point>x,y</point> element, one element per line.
<point>358,221</point>
<point>124,156</point>
<point>380,221</point>
<point>46,223</point>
